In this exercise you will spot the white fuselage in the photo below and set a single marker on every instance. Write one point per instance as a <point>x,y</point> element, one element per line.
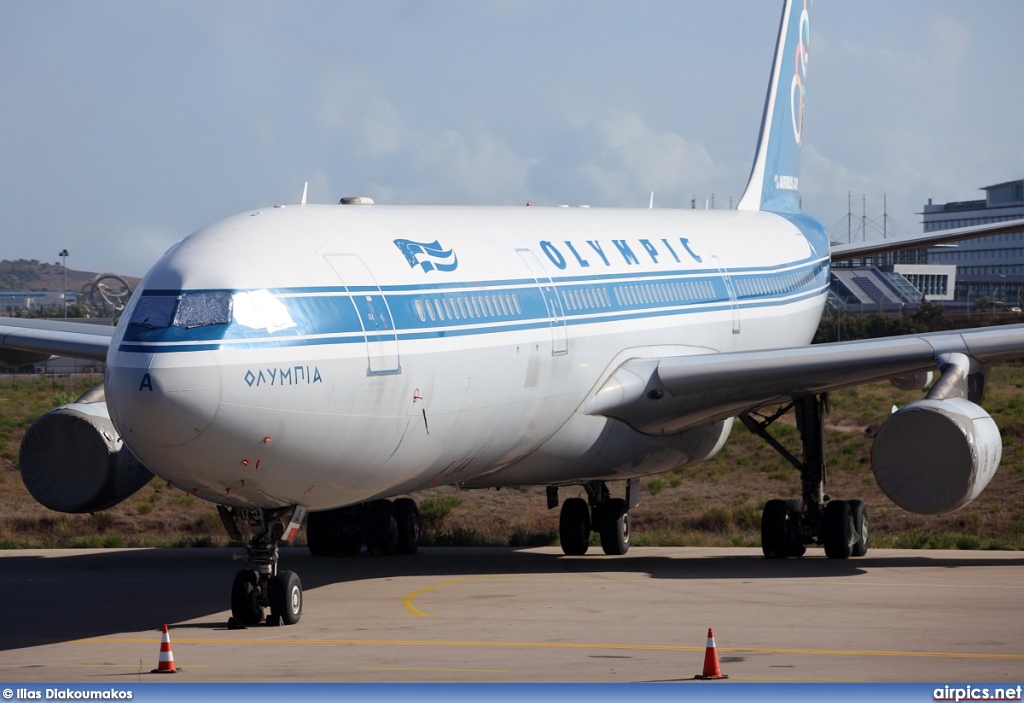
<point>379,350</point>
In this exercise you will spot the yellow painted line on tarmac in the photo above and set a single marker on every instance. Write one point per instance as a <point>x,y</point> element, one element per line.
<point>407,601</point>
<point>428,668</point>
<point>135,664</point>
<point>542,645</point>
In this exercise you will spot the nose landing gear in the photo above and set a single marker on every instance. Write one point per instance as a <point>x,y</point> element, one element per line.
<point>264,586</point>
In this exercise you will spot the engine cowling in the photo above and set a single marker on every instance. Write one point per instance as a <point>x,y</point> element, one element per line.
<point>73,461</point>
<point>936,456</point>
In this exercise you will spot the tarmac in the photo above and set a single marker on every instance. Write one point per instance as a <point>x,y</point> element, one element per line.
<point>522,615</point>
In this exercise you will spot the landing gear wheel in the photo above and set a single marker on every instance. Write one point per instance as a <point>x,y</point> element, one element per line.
<point>614,526</point>
<point>773,529</point>
<point>244,607</point>
<point>860,528</point>
<point>407,515</point>
<point>780,521</point>
<point>320,529</point>
<point>796,509</point>
<point>286,597</point>
<point>837,533</point>
<point>574,527</point>
<point>349,542</point>
<point>382,532</point>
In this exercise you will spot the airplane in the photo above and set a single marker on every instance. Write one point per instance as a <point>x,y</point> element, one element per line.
<point>308,363</point>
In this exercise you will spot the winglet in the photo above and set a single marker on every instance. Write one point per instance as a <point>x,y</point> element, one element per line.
<point>304,189</point>
<point>775,176</point>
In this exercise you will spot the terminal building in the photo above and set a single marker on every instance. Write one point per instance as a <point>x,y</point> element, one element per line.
<point>986,266</point>
<point>952,274</point>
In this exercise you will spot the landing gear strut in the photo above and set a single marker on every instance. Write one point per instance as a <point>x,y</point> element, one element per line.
<point>264,586</point>
<point>605,515</point>
<point>788,526</point>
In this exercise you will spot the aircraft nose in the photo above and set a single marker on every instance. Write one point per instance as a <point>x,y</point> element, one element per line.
<point>154,401</point>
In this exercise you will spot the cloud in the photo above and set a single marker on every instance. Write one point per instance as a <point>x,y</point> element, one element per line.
<point>632,159</point>
<point>468,165</point>
<point>353,105</point>
<point>479,168</point>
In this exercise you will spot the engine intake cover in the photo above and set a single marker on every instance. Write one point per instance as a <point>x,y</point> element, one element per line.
<point>73,461</point>
<point>936,456</point>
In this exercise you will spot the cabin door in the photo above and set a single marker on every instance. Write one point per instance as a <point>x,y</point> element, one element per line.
<point>373,312</point>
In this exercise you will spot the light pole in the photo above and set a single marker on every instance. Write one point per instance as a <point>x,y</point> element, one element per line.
<point>64,293</point>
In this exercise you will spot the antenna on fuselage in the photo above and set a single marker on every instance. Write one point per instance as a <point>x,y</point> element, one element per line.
<point>650,205</point>
<point>304,189</point>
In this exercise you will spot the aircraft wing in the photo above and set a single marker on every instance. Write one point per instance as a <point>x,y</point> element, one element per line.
<point>844,252</point>
<point>24,341</point>
<point>663,396</point>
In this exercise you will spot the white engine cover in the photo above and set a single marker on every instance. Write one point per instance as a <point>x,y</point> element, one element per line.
<point>73,461</point>
<point>936,456</point>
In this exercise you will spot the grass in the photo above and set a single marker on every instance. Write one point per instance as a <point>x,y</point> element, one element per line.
<point>714,503</point>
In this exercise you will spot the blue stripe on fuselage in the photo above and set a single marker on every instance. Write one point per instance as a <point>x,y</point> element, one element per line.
<point>328,315</point>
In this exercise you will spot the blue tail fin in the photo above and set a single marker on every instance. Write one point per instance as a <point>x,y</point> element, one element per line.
<point>775,177</point>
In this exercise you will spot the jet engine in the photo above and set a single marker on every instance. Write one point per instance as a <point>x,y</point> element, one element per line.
<point>936,456</point>
<point>73,461</point>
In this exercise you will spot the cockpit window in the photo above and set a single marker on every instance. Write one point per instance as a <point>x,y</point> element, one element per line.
<point>200,309</point>
<point>154,311</point>
<point>187,310</point>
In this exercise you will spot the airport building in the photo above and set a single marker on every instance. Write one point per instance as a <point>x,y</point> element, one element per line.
<point>987,266</point>
<point>25,301</point>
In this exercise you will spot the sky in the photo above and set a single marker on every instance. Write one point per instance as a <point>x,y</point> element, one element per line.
<point>125,126</point>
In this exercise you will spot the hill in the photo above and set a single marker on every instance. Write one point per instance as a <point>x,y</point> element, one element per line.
<point>99,295</point>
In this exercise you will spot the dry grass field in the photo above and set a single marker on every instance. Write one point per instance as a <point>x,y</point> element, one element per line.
<point>715,503</point>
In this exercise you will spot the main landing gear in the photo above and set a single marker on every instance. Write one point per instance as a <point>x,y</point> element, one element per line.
<point>788,526</point>
<point>605,515</point>
<point>385,527</point>
<point>263,587</point>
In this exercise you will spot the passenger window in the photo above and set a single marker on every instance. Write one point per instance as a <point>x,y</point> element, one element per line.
<point>504,307</point>
<point>515,302</point>
<point>430,311</point>
<point>419,311</point>
<point>462,307</point>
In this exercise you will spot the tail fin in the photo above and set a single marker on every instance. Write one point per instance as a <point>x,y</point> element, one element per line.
<point>775,177</point>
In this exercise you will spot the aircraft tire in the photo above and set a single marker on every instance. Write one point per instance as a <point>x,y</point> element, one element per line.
<point>615,527</point>
<point>574,527</point>
<point>773,529</point>
<point>795,548</point>
<point>837,530</point>
<point>382,528</point>
<point>407,515</point>
<point>860,528</point>
<point>286,597</point>
<point>244,607</point>
<point>320,534</point>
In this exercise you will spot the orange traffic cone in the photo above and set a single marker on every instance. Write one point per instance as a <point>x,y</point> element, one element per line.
<point>711,668</point>
<point>165,664</point>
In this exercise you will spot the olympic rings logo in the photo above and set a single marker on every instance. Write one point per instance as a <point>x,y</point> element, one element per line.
<point>796,91</point>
